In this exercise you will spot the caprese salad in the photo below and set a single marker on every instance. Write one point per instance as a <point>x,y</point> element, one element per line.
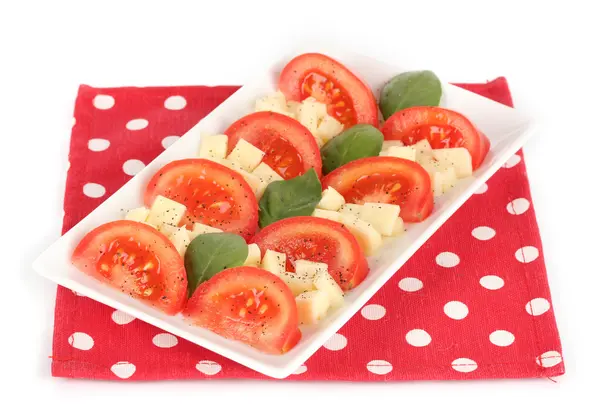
<point>264,231</point>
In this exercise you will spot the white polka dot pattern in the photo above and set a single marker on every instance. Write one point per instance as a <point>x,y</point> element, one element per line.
<point>447,259</point>
<point>175,103</point>
<point>81,341</point>
<point>464,365</point>
<point>168,141</point>
<point>527,254</point>
<point>456,310</point>
<point>502,338</point>
<point>104,101</point>
<point>537,306</point>
<point>137,124</point>
<point>98,145</point>
<point>373,312</point>
<point>336,342</point>
<point>418,338</point>
<point>164,340</point>
<point>208,367</point>
<point>123,370</point>
<point>94,190</point>
<point>410,284</point>
<point>133,166</point>
<point>379,367</point>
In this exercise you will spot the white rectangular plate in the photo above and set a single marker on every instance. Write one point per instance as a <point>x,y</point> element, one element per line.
<point>507,129</point>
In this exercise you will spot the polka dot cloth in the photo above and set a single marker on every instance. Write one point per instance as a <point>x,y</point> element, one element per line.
<point>472,303</point>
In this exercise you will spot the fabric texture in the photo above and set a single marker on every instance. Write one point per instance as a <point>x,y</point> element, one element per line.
<point>472,303</point>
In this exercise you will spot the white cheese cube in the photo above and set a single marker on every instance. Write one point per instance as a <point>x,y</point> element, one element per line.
<point>265,172</point>
<point>398,227</point>
<point>230,164</point>
<point>391,143</point>
<point>351,209</point>
<point>246,155</point>
<point>201,229</point>
<point>366,235</point>
<point>310,114</point>
<point>255,182</point>
<point>213,147</point>
<point>325,283</point>
<point>309,268</point>
<point>298,284</point>
<point>165,210</point>
<point>381,216</point>
<point>167,229</point>
<point>180,238</point>
<point>138,215</point>
<point>274,262</point>
<point>331,200</point>
<point>327,214</point>
<point>274,102</point>
<point>328,128</point>
<point>293,108</point>
<point>424,150</point>
<point>312,306</point>
<point>443,181</point>
<point>253,258</point>
<point>404,152</point>
<point>458,158</point>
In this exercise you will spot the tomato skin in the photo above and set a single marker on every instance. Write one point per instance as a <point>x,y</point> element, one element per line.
<point>293,76</point>
<point>408,125</point>
<point>242,215</point>
<point>413,194</point>
<point>170,282</point>
<point>273,132</point>
<point>318,240</point>
<point>213,306</point>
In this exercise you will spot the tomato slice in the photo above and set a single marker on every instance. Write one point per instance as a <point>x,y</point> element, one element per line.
<point>385,180</point>
<point>442,127</point>
<point>319,240</point>
<point>290,148</point>
<point>136,259</point>
<point>247,304</point>
<point>213,194</point>
<point>349,99</point>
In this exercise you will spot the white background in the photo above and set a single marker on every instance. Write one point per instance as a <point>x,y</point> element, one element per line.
<point>48,48</point>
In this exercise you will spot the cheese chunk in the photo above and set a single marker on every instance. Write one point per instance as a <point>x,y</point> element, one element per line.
<point>213,147</point>
<point>310,114</point>
<point>331,200</point>
<point>309,268</point>
<point>298,284</point>
<point>458,158</point>
<point>423,149</point>
<point>165,210</point>
<point>366,235</point>
<point>293,108</point>
<point>253,258</point>
<point>312,306</point>
<point>234,166</point>
<point>266,173</point>
<point>328,128</point>
<point>138,215</point>
<point>381,216</point>
<point>443,181</point>
<point>180,238</point>
<point>325,283</point>
<point>255,182</point>
<point>274,262</point>
<point>167,229</point>
<point>274,102</point>
<point>398,227</point>
<point>351,209</point>
<point>404,152</point>
<point>246,155</point>
<point>327,214</point>
<point>391,143</point>
<point>201,229</point>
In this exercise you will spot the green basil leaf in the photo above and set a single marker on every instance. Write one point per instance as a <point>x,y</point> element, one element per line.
<point>293,197</point>
<point>211,253</point>
<point>359,141</point>
<point>413,88</point>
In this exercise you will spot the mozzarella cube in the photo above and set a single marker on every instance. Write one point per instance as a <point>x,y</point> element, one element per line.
<point>325,283</point>
<point>310,114</point>
<point>274,262</point>
<point>391,143</point>
<point>266,173</point>
<point>201,229</point>
<point>443,181</point>
<point>331,200</point>
<point>213,147</point>
<point>398,227</point>
<point>309,268</point>
<point>180,238</point>
<point>165,210</point>
<point>167,229</point>
<point>138,215</point>
<point>458,158</point>
<point>293,108</point>
<point>298,284</point>
<point>351,209</point>
<point>381,216</point>
<point>246,155</point>
<point>404,152</point>
<point>234,166</point>
<point>423,148</point>
<point>328,128</point>
<point>255,182</point>
<point>366,235</point>
<point>312,306</point>
<point>327,214</point>
<point>274,102</point>
<point>253,258</point>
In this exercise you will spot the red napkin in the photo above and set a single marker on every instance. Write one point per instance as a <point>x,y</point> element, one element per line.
<point>473,302</point>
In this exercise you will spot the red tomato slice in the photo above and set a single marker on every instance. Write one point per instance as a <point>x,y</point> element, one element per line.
<point>442,127</point>
<point>290,148</point>
<point>349,99</point>
<point>385,180</point>
<point>247,304</point>
<point>319,240</point>
<point>138,260</point>
<point>213,194</point>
